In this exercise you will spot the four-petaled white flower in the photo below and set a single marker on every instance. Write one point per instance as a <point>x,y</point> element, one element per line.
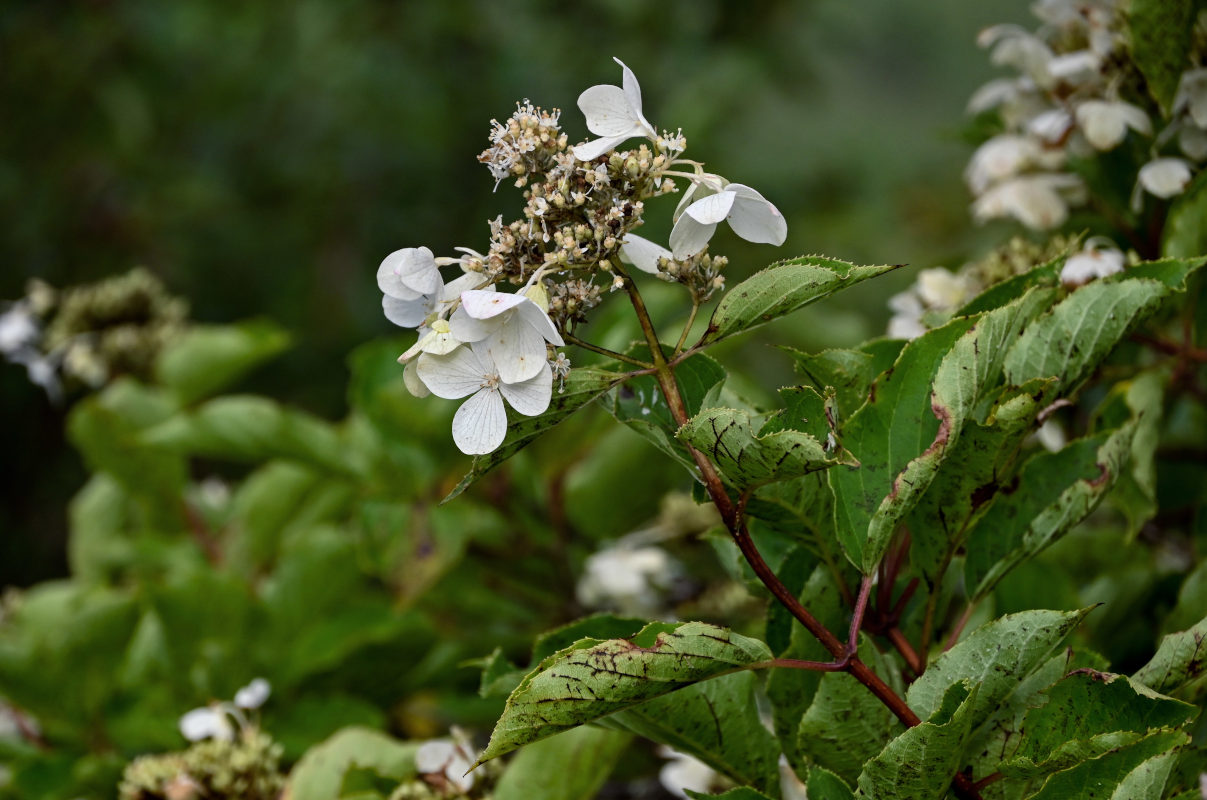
<point>412,312</point>
<point>447,760</point>
<point>480,424</point>
<point>1105,122</point>
<point>409,273</point>
<point>750,215</point>
<point>614,114</point>
<point>630,580</point>
<point>253,694</point>
<point>511,328</point>
<point>1192,95</point>
<point>1040,202</point>
<point>209,722</point>
<point>684,773</point>
<point>1004,157</point>
<point>1097,260</point>
<point>1165,177</point>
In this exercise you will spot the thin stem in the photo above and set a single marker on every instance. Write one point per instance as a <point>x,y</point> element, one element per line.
<point>603,351</point>
<point>861,606</point>
<point>687,327</point>
<point>912,660</point>
<point>734,518</point>
<point>959,628</point>
<point>796,663</point>
<point>988,780</point>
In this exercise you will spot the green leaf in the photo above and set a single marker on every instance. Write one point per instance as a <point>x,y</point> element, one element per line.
<point>593,678</point>
<point>100,542</point>
<point>791,691</point>
<point>1133,772</point>
<point>740,793</point>
<point>1070,341</point>
<point>996,657</point>
<point>849,372</point>
<point>252,428</point>
<point>1009,290</point>
<point>1087,715</point>
<point>320,773</point>
<point>207,359</point>
<point>1161,34</point>
<point>1141,398</point>
<point>572,765</point>
<point>639,404</point>
<point>1053,492</point>
<point>781,289</point>
<point>716,721</point>
<point>825,785</point>
<point>1185,232</point>
<point>978,467</point>
<point>914,417</point>
<point>580,388</point>
<point>747,459</point>
<point>845,725</point>
<point>1180,660</point>
<point>920,763</point>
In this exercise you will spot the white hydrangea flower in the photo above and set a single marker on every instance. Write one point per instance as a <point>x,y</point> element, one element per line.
<point>208,722</point>
<point>254,694</point>
<point>1097,260</point>
<point>630,580</point>
<point>1050,126</point>
<point>1005,156</point>
<point>1193,142</point>
<point>408,274</point>
<point>411,313</point>
<point>448,759</point>
<point>1192,95</point>
<point>480,424</point>
<point>702,185</point>
<point>942,289</point>
<point>685,773</point>
<point>642,253</point>
<point>1040,202</point>
<point>19,331</point>
<point>512,329</point>
<point>906,322</point>
<point>1014,46</point>
<point>1075,69</point>
<point>750,215</point>
<point>1051,436</point>
<point>1165,177</point>
<point>1105,122</point>
<point>614,114</point>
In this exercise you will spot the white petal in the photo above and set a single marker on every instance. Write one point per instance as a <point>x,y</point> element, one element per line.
<point>688,237</point>
<point>1076,67</point>
<point>530,397</point>
<point>535,317</point>
<point>701,186</point>
<point>1165,177</point>
<point>517,349</point>
<point>1192,95</point>
<point>411,379</point>
<point>484,305</point>
<point>415,268</point>
<point>206,723</point>
<point>253,694</point>
<point>1105,124</point>
<point>1050,125</point>
<point>467,329</point>
<point>1193,142</point>
<point>608,112</point>
<point>711,210</point>
<point>455,375</point>
<point>480,424</point>
<point>431,757</point>
<point>754,218</point>
<point>632,93</point>
<point>453,289</point>
<point>406,313</point>
<point>390,284</point>
<point>642,253</point>
<point>597,147</point>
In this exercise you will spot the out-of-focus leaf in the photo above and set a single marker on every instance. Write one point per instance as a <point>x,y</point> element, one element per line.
<point>207,359</point>
<point>1053,492</point>
<point>569,766</point>
<point>593,678</point>
<point>849,372</point>
<point>1135,489</point>
<point>781,289</point>
<point>1161,34</point>
<point>251,428</point>
<point>716,721</point>
<point>320,774</point>
<point>580,388</point>
<point>1185,233</point>
<point>920,763</point>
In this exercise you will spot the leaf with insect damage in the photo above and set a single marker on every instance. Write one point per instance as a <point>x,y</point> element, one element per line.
<point>593,678</point>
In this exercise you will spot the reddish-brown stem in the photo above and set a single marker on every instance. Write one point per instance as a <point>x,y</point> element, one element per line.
<point>959,628</point>
<point>907,651</point>
<point>988,780</point>
<point>734,519</point>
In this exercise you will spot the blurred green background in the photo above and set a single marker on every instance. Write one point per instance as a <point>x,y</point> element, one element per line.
<point>262,158</point>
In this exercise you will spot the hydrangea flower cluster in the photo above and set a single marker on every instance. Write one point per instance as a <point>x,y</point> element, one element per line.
<point>582,204</point>
<point>1077,94</point>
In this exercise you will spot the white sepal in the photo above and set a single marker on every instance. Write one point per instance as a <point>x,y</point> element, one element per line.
<point>1165,177</point>
<point>406,313</point>
<point>530,397</point>
<point>643,254</point>
<point>453,376</point>
<point>480,424</point>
